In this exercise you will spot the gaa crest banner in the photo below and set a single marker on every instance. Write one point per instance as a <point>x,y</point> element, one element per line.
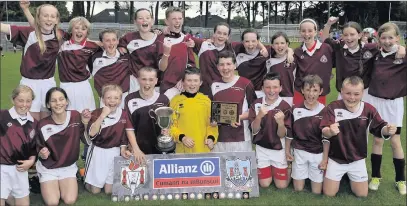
<point>186,176</point>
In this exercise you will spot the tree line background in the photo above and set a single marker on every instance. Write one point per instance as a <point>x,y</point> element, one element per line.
<point>368,14</point>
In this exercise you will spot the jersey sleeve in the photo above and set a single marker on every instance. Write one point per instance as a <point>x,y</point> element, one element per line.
<point>288,116</point>
<point>328,118</point>
<point>377,124</point>
<point>128,127</point>
<point>95,116</point>
<point>39,139</point>
<point>19,34</point>
<point>250,94</point>
<point>33,142</point>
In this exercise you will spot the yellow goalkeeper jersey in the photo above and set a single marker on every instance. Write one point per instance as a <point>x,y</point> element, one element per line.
<point>192,119</point>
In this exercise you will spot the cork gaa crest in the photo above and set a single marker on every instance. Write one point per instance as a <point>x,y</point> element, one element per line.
<point>133,176</point>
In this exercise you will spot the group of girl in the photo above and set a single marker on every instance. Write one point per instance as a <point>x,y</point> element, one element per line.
<point>28,131</point>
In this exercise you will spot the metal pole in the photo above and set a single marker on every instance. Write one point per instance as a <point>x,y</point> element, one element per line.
<point>6,12</point>
<point>268,23</point>
<point>329,9</point>
<point>389,10</point>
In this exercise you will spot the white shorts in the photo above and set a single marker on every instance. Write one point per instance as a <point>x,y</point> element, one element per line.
<point>305,166</point>
<point>266,157</point>
<point>134,85</point>
<point>40,88</point>
<point>13,182</point>
<point>391,111</point>
<point>124,95</point>
<point>80,95</point>
<point>244,146</point>
<point>100,165</point>
<point>356,170</point>
<point>289,100</point>
<point>46,174</point>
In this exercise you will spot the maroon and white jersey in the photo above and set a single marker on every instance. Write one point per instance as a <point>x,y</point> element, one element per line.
<point>143,53</point>
<point>17,134</point>
<point>62,140</point>
<point>145,127</point>
<point>319,61</point>
<point>110,70</point>
<point>251,66</point>
<point>180,56</point>
<point>267,135</point>
<point>389,76</point>
<point>208,58</point>
<point>348,62</point>
<point>240,91</point>
<point>307,135</point>
<point>351,143</point>
<point>73,60</point>
<point>286,71</point>
<point>112,132</point>
<point>35,65</point>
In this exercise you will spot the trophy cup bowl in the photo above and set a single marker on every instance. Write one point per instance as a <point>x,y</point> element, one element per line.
<point>164,121</point>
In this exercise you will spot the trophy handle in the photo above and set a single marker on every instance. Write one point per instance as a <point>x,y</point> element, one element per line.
<point>152,116</point>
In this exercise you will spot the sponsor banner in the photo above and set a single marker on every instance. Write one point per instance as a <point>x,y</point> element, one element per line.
<point>186,176</point>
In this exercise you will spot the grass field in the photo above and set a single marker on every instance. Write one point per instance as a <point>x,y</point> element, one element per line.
<point>387,195</point>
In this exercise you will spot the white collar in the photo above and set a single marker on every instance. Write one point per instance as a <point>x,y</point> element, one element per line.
<point>353,50</point>
<point>304,48</point>
<point>274,105</point>
<point>117,55</point>
<point>394,49</point>
<point>15,115</point>
<point>116,114</point>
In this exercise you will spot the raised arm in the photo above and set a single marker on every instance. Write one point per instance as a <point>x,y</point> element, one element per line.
<point>26,10</point>
<point>325,32</point>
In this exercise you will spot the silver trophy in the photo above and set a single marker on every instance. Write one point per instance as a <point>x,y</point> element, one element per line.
<point>163,118</point>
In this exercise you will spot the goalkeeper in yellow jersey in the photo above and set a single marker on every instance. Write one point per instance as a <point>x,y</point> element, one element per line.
<point>191,128</point>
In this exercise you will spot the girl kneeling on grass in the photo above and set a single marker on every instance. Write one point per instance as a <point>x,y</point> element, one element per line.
<point>17,146</point>
<point>58,143</point>
<point>110,130</point>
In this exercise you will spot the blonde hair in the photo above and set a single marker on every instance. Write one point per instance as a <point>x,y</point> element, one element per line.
<point>388,27</point>
<point>111,87</point>
<point>353,80</point>
<point>79,19</point>
<point>38,32</point>
<point>21,89</point>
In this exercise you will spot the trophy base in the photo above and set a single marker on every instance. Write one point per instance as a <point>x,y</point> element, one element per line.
<point>168,150</point>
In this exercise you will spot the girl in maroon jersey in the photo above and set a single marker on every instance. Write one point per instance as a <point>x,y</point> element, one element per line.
<point>110,130</point>
<point>352,57</point>
<point>387,93</point>
<point>58,143</point>
<point>208,52</point>
<point>281,61</point>
<point>313,57</point>
<point>72,58</point>
<point>41,46</point>
<point>141,46</point>
<point>17,147</point>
